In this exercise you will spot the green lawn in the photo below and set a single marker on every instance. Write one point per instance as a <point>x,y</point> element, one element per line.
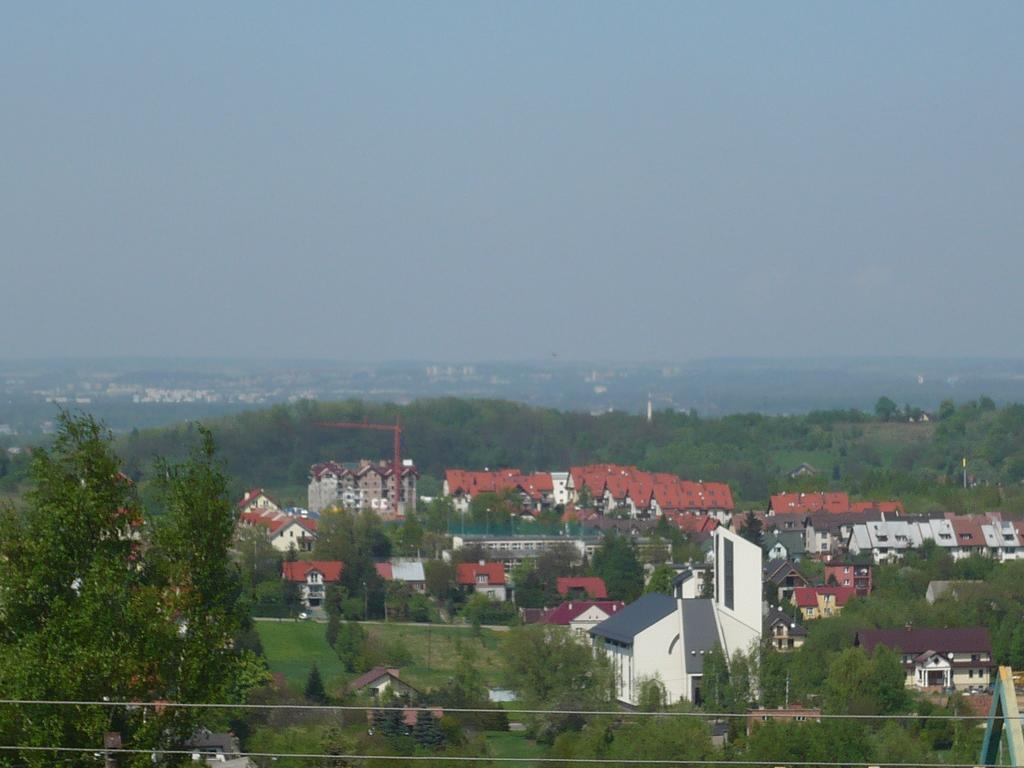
<point>292,647</point>
<point>822,461</point>
<point>513,744</point>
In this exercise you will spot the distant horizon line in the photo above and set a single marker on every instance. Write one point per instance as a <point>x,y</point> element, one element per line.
<point>530,361</point>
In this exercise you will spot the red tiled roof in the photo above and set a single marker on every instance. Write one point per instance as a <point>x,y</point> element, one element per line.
<point>384,571</point>
<point>888,507</point>
<point>968,529</point>
<point>969,640</point>
<point>807,503</point>
<point>565,613</point>
<point>670,492</point>
<point>593,585</point>
<point>807,597</point>
<point>471,483</point>
<point>466,573</point>
<point>297,571</point>
<point>692,523</point>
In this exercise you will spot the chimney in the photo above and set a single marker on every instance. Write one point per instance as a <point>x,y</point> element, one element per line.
<point>483,562</point>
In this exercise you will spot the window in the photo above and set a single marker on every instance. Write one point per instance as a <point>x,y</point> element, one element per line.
<point>728,573</point>
<point>970,673</point>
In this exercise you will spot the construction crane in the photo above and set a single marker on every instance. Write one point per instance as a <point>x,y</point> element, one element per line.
<point>396,467</point>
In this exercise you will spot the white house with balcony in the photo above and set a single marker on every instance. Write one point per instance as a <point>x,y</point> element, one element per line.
<point>312,576</point>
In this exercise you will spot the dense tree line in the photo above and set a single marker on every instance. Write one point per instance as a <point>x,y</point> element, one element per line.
<point>869,454</point>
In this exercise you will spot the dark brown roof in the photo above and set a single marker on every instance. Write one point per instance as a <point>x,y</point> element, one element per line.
<point>374,674</point>
<point>973,640</point>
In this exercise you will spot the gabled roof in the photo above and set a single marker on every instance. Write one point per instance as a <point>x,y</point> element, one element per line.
<point>915,641</point>
<point>888,507</point>
<point>968,529</point>
<point>793,541</point>
<point>810,502</point>
<point>298,571</point>
<point>635,617</point>
<point>700,633</point>
<point>778,569</point>
<point>593,585</point>
<point>466,573</point>
<point>669,491</point>
<point>567,612</point>
<point>776,616</point>
<point>373,676</point>
<point>807,597</point>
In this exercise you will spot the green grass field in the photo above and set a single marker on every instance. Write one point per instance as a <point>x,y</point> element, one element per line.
<point>292,647</point>
<point>513,744</point>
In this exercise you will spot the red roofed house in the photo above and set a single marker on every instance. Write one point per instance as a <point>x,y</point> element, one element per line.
<point>637,493</point>
<point>887,507</point>
<point>947,658</point>
<point>380,679</point>
<point>483,577</point>
<point>313,576</point>
<point>970,538</point>
<point>581,587</point>
<point>853,575</point>
<point>256,500</point>
<point>536,491</point>
<point>822,602</point>
<point>288,532</point>
<point>808,503</point>
<point>581,615</point>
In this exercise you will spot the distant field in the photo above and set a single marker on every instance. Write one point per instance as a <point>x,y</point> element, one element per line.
<point>292,647</point>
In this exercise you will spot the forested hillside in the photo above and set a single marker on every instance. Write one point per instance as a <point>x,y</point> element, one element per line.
<point>872,455</point>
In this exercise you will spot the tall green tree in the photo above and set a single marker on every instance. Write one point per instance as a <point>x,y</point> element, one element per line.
<point>549,668</point>
<point>99,602</point>
<point>616,562</point>
<point>661,580</point>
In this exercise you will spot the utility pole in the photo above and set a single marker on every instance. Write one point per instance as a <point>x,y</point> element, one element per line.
<point>965,472</point>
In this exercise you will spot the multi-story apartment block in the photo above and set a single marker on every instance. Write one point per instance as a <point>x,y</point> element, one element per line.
<point>362,485</point>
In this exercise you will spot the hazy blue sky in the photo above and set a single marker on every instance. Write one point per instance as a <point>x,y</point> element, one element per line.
<point>511,180</point>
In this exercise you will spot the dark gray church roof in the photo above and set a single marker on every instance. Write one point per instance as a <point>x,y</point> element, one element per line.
<point>635,617</point>
<point>700,633</point>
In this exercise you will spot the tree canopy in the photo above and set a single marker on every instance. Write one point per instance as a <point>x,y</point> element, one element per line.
<point>100,600</point>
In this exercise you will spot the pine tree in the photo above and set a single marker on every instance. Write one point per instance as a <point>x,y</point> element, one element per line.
<point>427,732</point>
<point>314,691</point>
<point>333,626</point>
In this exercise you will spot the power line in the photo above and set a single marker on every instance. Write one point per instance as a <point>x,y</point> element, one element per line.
<point>472,710</point>
<point>532,760</point>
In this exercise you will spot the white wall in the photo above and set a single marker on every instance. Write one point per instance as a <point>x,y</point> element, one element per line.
<point>740,625</point>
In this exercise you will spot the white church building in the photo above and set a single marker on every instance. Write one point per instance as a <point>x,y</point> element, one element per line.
<point>666,638</point>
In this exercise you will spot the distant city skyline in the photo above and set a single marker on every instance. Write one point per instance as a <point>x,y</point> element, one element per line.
<point>659,182</point>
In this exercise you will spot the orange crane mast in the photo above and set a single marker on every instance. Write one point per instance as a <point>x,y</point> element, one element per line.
<point>396,467</point>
